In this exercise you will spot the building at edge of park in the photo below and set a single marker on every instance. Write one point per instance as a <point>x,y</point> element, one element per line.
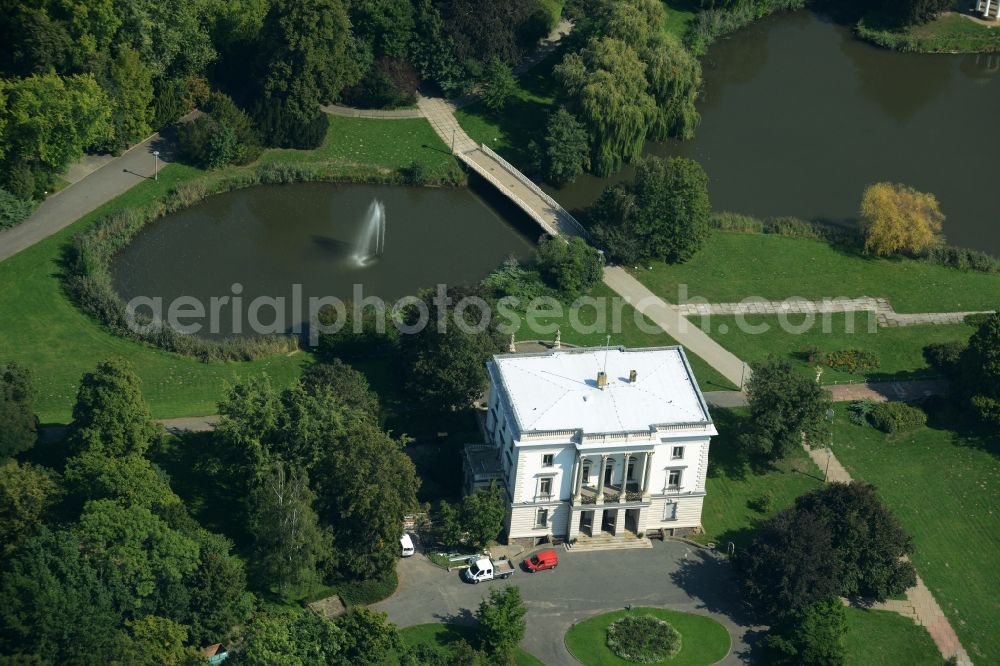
<point>595,440</point>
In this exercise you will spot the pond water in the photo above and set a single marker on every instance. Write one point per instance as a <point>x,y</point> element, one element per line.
<point>798,117</point>
<point>327,238</point>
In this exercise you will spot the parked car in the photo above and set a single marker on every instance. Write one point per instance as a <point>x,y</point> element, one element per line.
<point>406,545</point>
<point>542,560</point>
<point>484,568</point>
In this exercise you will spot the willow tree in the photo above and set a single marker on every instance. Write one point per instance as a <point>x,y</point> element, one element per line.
<point>606,85</point>
<point>899,219</point>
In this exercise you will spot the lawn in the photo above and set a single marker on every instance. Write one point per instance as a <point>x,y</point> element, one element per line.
<point>44,331</point>
<point>882,638</point>
<point>594,328</point>
<point>950,33</point>
<point>443,634</point>
<point>943,484</point>
<point>731,485</point>
<point>703,640</point>
<point>733,266</point>
<point>679,15</point>
<point>510,131</point>
<point>900,349</point>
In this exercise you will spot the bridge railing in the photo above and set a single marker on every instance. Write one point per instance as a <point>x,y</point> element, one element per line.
<point>534,188</point>
<point>513,197</point>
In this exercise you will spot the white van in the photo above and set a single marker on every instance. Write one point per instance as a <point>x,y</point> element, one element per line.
<point>406,544</point>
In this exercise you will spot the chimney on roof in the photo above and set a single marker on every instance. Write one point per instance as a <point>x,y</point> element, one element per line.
<point>602,380</point>
<point>632,376</point>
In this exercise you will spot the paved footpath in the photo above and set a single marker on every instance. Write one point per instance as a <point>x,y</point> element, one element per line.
<point>919,605</point>
<point>70,204</point>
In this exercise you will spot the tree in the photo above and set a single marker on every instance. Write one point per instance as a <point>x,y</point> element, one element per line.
<point>449,525</point>
<point>218,590</point>
<point>27,494</point>
<point>171,36</point>
<point>567,148</point>
<point>501,623</point>
<point>304,62</point>
<point>447,365</point>
<point>387,25</point>
<point>662,214</point>
<point>899,219</point>
<point>110,415</point>
<point>431,49</point>
<point>155,641</point>
<point>605,86</point>
<point>365,485</point>
<point>483,513</point>
<point>129,479</point>
<point>792,562</point>
<point>979,368</point>
<point>348,387</point>
<point>49,120</point>
<point>868,539</point>
<point>813,635</point>
<point>497,84</point>
<point>783,405</point>
<point>56,603</point>
<point>129,85</point>
<point>287,536</point>
<point>571,266</point>
<point>368,638</point>
<point>290,637</point>
<point>481,31</point>
<point>18,423</point>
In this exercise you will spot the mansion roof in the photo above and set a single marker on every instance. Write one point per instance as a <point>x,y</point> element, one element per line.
<point>558,390</point>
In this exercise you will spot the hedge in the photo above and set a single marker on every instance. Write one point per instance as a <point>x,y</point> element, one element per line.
<point>897,416</point>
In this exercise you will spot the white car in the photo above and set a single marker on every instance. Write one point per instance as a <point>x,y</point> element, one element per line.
<point>406,545</point>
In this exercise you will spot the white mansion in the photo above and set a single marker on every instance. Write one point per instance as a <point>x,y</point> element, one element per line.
<point>590,440</point>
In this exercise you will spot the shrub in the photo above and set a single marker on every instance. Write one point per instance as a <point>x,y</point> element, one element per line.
<point>391,82</point>
<point>13,210</point>
<point>415,173</point>
<point>364,592</point>
<point>643,639</point>
<point>710,24</point>
<point>963,259</point>
<point>282,124</point>
<point>897,416</point>
<point>854,361</point>
<point>945,356</point>
<point>570,266</point>
<point>859,411</point>
<point>762,503</point>
<point>727,221</point>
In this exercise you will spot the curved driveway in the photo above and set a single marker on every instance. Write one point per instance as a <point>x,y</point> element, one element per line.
<point>673,575</point>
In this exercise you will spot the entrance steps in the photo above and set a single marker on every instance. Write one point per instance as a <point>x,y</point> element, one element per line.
<point>605,541</point>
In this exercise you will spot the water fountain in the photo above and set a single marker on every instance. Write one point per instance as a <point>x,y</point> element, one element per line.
<point>371,239</point>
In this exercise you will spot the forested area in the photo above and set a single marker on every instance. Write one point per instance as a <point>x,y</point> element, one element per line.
<point>100,76</point>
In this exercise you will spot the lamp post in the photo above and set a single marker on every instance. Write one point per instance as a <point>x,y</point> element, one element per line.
<point>156,157</point>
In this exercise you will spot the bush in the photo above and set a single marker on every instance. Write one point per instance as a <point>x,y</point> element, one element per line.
<point>223,136</point>
<point>415,173</point>
<point>390,83</point>
<point>364,592</point>
<point>897,416</point>
<point>282,124</point>
<point>963,259</point>
<point>945,356</point>
<point>762,503</point>
<point>710,24</point>
<point>13,210</point>
<point>854,361</point>
<point>859,411</point>
<point>643,639</point>
<point>570,266</point>
<point>726,221</point>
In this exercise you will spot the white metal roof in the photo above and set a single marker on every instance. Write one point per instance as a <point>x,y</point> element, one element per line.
<point>557,390</point>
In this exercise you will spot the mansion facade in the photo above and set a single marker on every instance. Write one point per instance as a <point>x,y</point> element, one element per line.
<point>595,440</point>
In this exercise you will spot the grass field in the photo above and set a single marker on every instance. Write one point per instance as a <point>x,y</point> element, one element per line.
<point>950,33</point>
<point>679,15</point>
<point>900,349</point>
<point>726,515</point>
<point>703,640</point>
<point>43,330</point>
<point>944,486</point>
<point>443,634</point>
<point>881,638</point>
<point>733,266</point>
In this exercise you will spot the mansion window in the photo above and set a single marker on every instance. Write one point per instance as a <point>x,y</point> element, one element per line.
<point>670,511</point>
<point>677,453</point>
<point>674,479</point>
<point>630,475</point>
<point>547,460</point>
<point>545,487</point>
<point>542,518</point>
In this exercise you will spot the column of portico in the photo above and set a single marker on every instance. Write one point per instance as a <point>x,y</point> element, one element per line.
<point>577,470</point>
<point>647,470</point>
<point>600,479</point>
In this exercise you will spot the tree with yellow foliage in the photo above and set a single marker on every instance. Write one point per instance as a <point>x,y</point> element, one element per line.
<point>899,219</point>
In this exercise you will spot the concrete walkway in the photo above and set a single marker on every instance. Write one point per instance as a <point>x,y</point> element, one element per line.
<point>670,320</point>
<point>920,605</point>
<point>70,204</point>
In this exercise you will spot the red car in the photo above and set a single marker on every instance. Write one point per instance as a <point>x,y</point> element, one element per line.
<point>542,560</point>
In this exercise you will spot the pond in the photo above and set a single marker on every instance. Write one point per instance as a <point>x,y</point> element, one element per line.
<point>390,241</point>
<point>798,117</point>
